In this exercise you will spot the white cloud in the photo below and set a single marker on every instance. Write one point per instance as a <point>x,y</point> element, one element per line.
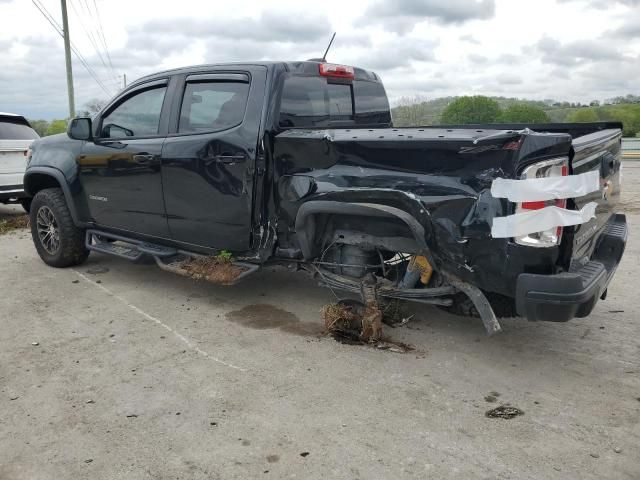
<point>565,49</point>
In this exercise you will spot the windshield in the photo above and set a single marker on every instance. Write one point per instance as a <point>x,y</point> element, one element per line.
<point>309,101</point>
<point>15,129</point>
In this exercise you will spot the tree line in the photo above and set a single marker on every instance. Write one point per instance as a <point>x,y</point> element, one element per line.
<point>465,110</point>
<point>482,109</point>
<point>55,126</point>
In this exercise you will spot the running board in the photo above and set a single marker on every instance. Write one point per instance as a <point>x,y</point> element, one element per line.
<point>167,258</point>
<point>135,249</point>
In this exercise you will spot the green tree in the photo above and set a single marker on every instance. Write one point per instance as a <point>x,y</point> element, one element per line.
<point>40,126</point>
<point>523,113</point>
<point>477,109</point>
<point>583,115</point>
<point>92,107</point>
<point>629,115</point>
<point>56,126</point>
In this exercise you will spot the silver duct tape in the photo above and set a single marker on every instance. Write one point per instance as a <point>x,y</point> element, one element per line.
<point>540,220</point>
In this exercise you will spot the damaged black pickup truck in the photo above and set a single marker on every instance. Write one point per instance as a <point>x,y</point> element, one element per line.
<point>299,162</point>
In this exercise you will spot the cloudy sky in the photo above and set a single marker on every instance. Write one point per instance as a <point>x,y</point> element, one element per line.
<point>575,50</point>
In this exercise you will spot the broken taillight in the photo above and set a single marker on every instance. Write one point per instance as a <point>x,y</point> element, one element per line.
<point>558,167</point>
<point>336,71</point>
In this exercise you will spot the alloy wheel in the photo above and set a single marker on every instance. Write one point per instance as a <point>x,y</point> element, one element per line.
<point>48,231</point>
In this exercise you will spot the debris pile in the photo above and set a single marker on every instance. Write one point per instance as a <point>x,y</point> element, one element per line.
<point>351,322</point>
<point>343,321</point>
<point>9,224</point>
<point>218,269</point>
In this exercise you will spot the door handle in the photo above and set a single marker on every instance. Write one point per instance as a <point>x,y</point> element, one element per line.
<point>143,158</point>
<point>228,159</point>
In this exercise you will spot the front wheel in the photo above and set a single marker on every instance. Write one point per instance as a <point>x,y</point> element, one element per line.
<point>56,238</point>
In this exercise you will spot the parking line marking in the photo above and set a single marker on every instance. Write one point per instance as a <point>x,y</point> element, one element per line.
<point>139,311</point>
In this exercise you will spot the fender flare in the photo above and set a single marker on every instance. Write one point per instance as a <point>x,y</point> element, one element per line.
<point>62,181</point>
<point>306,229</point>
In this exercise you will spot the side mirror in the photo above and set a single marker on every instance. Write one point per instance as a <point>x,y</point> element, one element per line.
<point>79,128</point>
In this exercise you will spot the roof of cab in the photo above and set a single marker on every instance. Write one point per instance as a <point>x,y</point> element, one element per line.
<point>290,65</point>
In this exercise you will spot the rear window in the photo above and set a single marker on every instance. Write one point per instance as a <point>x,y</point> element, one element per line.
<point>15,129</point>
<point>314,102</point>
<point>213,106</point>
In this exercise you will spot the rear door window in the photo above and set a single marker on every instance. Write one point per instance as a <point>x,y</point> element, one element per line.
<point>212,105</point>
<point>10,130</point>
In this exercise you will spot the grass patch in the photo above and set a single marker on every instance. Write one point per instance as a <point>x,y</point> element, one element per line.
<point>218,269</point>
<point>10,224</point>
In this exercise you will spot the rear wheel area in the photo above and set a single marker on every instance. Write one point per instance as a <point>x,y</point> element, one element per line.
<point>503,307</point>
<point>56,238</point>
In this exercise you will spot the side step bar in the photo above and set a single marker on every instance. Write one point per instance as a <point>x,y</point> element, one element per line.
<point>167,258</point>
<point>134,250</point>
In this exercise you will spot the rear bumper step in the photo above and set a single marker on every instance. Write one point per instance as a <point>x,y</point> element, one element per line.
<point>559,298</point>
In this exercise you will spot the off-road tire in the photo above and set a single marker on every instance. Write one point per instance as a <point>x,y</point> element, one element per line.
<point>71,248</point>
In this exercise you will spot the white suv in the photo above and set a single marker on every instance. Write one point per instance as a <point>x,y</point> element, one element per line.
<point>15,137</point>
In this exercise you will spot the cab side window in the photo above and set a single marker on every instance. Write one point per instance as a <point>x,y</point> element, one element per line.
<point>212,105</point>
<point>137,116</point>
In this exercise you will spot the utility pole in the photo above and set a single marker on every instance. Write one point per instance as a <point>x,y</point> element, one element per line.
<point>67,57</point>
<point>124,79</point>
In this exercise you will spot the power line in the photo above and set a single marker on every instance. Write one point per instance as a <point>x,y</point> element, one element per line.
<point>96,43</point>
<point>101,31</point>
<point>89,35</point>
<point>58,29</point>
<point>98,37</point>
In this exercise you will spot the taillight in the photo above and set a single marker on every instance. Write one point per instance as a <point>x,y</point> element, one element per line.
<point>336,71</point>
<point>558,167</point>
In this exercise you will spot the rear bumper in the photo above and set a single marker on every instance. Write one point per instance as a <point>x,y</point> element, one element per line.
<point>561,297</point>
<point>11,192</point>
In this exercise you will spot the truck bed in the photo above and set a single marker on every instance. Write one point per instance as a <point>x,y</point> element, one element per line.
<point>447,172</point>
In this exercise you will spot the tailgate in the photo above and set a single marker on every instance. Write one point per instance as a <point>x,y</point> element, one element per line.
<point>599,151</point>
<point>13,157</point>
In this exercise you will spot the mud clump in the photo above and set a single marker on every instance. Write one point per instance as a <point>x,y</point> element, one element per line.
<point>353,323</point>
<point>13,223</point>
<point>506,412</point>
<point>343,322</point>
<point>212,269</point>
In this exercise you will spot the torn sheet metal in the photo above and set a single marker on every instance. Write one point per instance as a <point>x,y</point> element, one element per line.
<point>538,189</point>
<point>540,220</point>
